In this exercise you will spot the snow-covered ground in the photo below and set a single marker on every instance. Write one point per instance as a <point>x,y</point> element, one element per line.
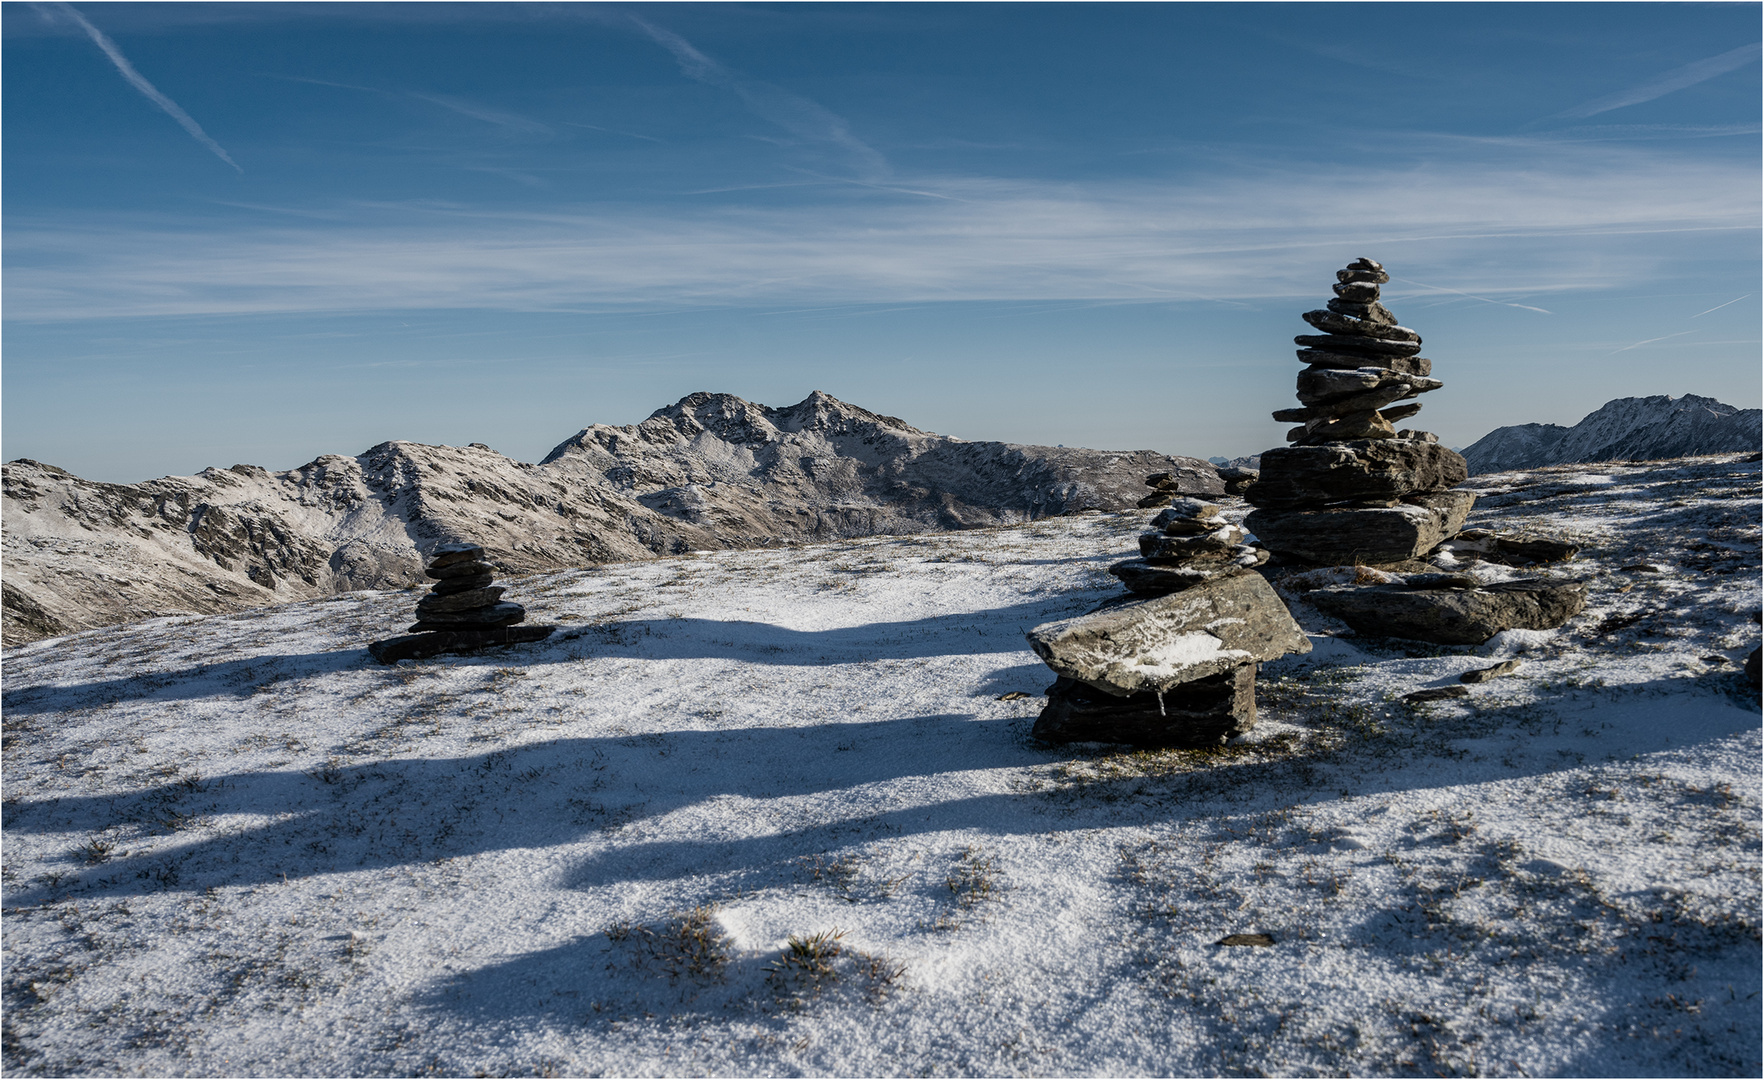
<point>769,812</point>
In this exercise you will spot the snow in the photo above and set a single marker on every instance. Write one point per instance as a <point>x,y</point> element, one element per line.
<point>236,846</point>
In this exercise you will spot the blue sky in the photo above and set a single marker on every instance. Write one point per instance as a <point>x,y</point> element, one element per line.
<point>260,233</point>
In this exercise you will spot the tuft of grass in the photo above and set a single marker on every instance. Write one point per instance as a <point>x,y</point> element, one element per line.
<point>974,878</point>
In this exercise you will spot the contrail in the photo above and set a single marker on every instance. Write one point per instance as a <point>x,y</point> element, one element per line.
<point>1688,75</point>
<point>140,83</point>
<point>1718,307</point>
<point>1473,296</point>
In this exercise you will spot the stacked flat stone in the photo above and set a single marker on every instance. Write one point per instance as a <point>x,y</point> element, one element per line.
<point>462,612</point>
<point>1352,487</point>
<point>1190,544</point>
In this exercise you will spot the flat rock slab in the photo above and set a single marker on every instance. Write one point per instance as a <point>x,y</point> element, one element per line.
<point>1134,646</point>
<point>418,646</point>
<point>1452,616</point>
<point>1296,477</point>
<point>1376,536</point>
<point>1205,712</point>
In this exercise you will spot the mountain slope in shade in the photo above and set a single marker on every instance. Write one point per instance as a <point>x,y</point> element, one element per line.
<point>709,472</point>
<point>1625,429</point>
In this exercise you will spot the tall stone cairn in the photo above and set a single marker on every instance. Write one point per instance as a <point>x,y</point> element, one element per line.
<point>463,612</point>
<point>1352,487</point>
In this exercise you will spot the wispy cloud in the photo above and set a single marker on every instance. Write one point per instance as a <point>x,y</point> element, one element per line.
<point>1472,296</point>
<point>1650,341</point>
<point>499,117</point>
<point>807,120</point>
<point>139,82</point>
<point>1499,230</point>
<point>1661,85</point>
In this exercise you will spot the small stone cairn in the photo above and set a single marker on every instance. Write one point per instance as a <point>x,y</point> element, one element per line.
<point>463,612</point>
<point>1354,490</point>
<point>1174,663</point>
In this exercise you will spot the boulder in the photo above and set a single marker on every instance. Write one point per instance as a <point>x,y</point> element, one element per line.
<point>1204,712</point>
<point>1296,476</point>
<point>418,646</point>
<point>1374,535</point>
<point>1130,647</point>
<point>1452,616</point>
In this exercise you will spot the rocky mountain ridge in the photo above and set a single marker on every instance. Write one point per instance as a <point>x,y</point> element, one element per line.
<point>1624,429</point>
<point>710,472</point>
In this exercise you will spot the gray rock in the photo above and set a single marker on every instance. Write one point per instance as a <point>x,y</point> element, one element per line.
<point>1369,346</point>
<point>1219,544</point>
<point>1197,510</point>
<point>1437,693</point>
<point>1301,476</point>
<point>442,603</point>
<point>1202,712</point>
<point>1480,675</point>
<point>1138,645</point>
<point>1333,322</point>
<point>1357,292</point>
<point>1378,536</point>
<point>1322,384</point>
<point>1351,426</point>
<point>450,554</point>
<point>1481,544</point>
<point>1145,578</point>
<point>460,569</point>
<point>1373,312</point>
<point>1400,412</point>
<point>1418,436</point>
<point>1440,581</point>
<point>450,585</point>
<point>1376,277</point>
<point>1408,365</point>
<point>419,646</point>
<point>476,618</point>
<point>1452,617</point>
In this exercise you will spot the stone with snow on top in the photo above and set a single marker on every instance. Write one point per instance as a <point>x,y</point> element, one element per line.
<point>1334,322</point>
<point>1202,712</point>
<point>1186,510</point>
<point>1373,312</point>
<point>1358,343</point>
<point>1407,365</point>
<point>459,601</point>
<point>1130,647</point>
<point>1452,616</point>
<point>1220,543</point>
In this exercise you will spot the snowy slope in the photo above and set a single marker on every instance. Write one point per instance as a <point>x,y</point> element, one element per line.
<point>236,846</point>
<point>707,473</point>
<point>1625,429</point>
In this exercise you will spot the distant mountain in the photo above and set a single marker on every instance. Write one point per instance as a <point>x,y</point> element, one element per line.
<point>1627,429</point>
<point>709,472</point>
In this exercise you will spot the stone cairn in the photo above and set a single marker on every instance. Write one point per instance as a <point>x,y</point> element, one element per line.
<point>1174,663</point>
<point>463,612</point>
<point>1354,490</point>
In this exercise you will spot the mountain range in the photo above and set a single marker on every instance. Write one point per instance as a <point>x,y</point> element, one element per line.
<point>1626,429</point>
<point>709,472</point>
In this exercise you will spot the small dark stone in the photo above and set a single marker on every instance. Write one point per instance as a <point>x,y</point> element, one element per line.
<point>418,646</point>
<point>1357,292</point>
<point>1204,712</point>
<point>1373,312</point>
<point>1400,412</point>
<point>1438,693</point>
<point>1376,277</point>
<point>441,603</point>
<point>1253,940</point>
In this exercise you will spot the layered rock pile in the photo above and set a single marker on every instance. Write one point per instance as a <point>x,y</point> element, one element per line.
<point>1190,543</point>
<point>462,612</point>
<point>1352,487</point>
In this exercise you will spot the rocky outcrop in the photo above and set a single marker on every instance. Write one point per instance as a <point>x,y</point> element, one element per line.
<point>1637,428</point>
<point>711,471</point>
